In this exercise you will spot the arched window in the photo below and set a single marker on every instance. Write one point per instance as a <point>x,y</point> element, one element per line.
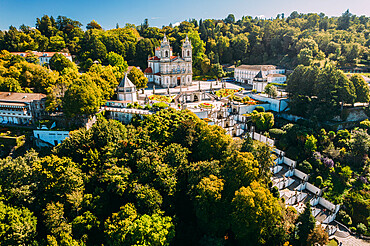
<point>188,53</point>
<point>166,53</point>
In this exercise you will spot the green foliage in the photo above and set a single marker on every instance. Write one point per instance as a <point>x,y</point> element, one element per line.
<point>59,62</point>
<point>310,144</point>
<point>362,88</point>
<point>306,224</point>
<point>127,228</point>
<point>365,124</point>
<point>260,109</point>
<point>263,120</point>
<point>250,213</point>
<point>361,228</point>
<point>137,78</point>
<point>271,90</point>
<point>18,225</point>
<point>117,60</point>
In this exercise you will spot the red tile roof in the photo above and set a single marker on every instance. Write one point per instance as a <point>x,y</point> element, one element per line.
<point>148,70</point>
<point>159,74</point>
<point>39,54</point>
<point>155,58</point>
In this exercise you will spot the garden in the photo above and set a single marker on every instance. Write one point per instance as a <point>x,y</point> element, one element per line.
<point>225,92</point>
<point>160,98</point>
<point>206,105</point>
<point>337,162</point>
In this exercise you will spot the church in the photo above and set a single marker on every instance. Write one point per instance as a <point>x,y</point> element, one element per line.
<point>167,70</point>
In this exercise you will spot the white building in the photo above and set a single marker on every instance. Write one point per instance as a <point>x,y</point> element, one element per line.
<point>246,73</point>
<point>126,90</point>
<point>21,108</point>
<point>167,70</point>
<point>51,137</point>
<point>44,57</point>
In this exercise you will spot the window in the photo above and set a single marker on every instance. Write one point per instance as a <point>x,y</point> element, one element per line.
<point>188,53</point>
<point>166,53</point>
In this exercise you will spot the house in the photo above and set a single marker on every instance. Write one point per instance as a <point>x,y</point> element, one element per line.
<point>167,70</point>
<point>21,108</point>
<point>44,57</point>
<point>51,137</point>
<point>246,73</point>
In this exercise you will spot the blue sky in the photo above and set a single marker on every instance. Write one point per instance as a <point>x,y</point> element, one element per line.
<point>162,12</point>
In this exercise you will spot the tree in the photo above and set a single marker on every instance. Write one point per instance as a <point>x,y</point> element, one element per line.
<point>271,90</point>
<point>83,99</point>
<point>10,84</point>
<point>117,61</point>
<point>305,57</point>
<point>310,144</point>
<point>93,25</point>
<point>144,48</point>
<point>306,224</point>
<point>56,43</point>
<point>208,205</point>
<point>263,120</point>
<point>254,211</point>
<point>128,228</point>
<point>318,236</point>
<point>137,78</point>
<point>59,62</point>
<point>230,19</point>
<point>362,88</point>
<point>55,221</point>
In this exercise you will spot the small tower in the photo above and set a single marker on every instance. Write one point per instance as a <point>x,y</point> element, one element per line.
<point>187,50</point>
<point>165,49</point>
<point>126,90</point>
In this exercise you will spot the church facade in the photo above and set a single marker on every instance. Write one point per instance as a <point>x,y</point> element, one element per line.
<point>167,70</point>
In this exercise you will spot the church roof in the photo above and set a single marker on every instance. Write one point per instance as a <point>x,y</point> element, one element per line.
<point>260,77</point>
<point>148,70</point>
<point>156,58</point>
<point>126,83</point>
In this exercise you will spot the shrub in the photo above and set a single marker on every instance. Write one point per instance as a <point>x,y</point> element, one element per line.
<point>260,109</point>
<point>275,192</point>
<point>361,228</point>
<point>318,181</point>
<point>365,124</point>
<point>306,167</point>
<point>160,105</point>
<point>277,133</point>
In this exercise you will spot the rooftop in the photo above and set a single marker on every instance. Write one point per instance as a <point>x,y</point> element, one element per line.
<point>257,67</point>
<point>39,54</point>
<point>20,97</point>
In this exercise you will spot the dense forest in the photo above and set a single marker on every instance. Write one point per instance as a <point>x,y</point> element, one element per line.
<point>287,41</point>
<point>167,179</point>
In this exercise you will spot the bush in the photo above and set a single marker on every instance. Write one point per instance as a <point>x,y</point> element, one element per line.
<point>365,124</point>
<point>277,133</point>
<point>318,181</point>
<point>160,105</point>
<point>344,217</point>
<point>361,228</point>
<point>306,167</point>
<point>275,192</point>
<point>260,109</point>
